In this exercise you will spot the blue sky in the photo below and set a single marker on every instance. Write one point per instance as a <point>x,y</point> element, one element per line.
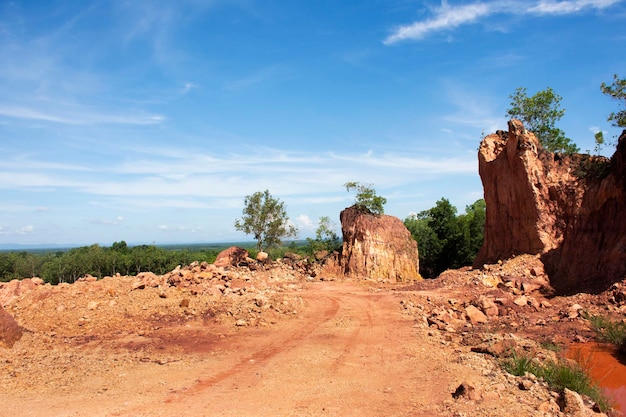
<point>150,121</point>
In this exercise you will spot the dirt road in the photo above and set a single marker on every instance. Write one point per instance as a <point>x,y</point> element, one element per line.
<point>350,351</point>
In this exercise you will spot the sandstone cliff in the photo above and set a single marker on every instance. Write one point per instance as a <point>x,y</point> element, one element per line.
<point>377,247</point>
<point>558,206</point>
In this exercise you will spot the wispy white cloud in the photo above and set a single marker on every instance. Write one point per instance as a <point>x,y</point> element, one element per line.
<point>178,228</point>
<point>187,87</point>
<point>271,73</point>
<point>183,180</point>
<point>304,223</point>
<point>473,108</point>
<point>25,230</point>
<point>80,117</point>
<point>108,222</point>
<point>448,17</point>
<point>567,7</point>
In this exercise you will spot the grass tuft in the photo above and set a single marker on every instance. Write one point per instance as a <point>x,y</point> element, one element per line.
<point>608,331</point>
<point>558,375</point>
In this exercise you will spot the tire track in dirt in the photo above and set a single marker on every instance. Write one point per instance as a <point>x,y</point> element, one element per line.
<point>346,355</point>
<point>325,308</point>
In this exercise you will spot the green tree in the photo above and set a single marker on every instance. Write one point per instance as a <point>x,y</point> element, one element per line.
<point>472,225</point>
<point>446,240</point>
<point>539,114</point>
<point>265,218</point>
<point>325,237</point>
<point>429,244</point>
<point>366,199</point>
<point>617,91</point>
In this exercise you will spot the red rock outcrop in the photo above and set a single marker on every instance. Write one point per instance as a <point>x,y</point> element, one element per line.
<point>377,246</point>
<point>556,206</point>
<point>232,256</point>
<point>593,253</point>
<point>10,331</point>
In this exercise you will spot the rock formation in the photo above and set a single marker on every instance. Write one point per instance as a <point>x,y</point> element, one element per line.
<point>10,331</point>
<point>563,207</point>
<point>377,246</point>
<point>232,256</point>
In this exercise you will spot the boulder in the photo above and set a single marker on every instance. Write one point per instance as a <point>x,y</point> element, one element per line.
<point>475,316</point>
<point>565,208</point>
<point>488,306</point>
<point>378,247</point>
<point>262,256</point>
<point>10,331</point>
<point>233,256</point>
<point>9,291</point>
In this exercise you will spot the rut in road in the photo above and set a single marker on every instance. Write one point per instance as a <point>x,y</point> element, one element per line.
<point>351,353</point>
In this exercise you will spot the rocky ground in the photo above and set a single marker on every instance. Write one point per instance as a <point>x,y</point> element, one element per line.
<point>278,340</point>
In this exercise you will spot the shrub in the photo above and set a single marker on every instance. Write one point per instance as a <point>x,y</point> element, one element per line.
<point>608,331</point>
<point>558,375</point>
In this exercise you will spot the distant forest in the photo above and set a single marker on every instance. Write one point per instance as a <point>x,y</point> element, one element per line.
<point>57,266</point>
<point>445,240</point>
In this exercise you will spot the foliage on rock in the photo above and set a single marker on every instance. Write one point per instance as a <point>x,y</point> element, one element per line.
<point>366,199</point>
<point>540,114</point>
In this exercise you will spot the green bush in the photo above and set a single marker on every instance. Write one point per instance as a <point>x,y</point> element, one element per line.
<point>558,375</point>
<point>519,365</point>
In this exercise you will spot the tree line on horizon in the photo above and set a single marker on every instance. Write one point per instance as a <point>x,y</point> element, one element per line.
<point>445,241</point>
<point>99,261</point>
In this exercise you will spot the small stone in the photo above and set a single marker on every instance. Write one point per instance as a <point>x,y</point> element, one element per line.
<point>138,285</point>
<point>184,302</point>
<point>475,316</point>
<point>468,391</point>
<point>241,322</point>
<point>574,404</point>
<point>549,407</point>
<point>521,301</point>
<point>525,384</point>
<point>262,256</point>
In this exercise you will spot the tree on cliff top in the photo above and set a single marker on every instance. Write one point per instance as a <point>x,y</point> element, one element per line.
<point>265,218</point>
<point>617,90</point>
<point>366,199</point>
<point>539,114</point>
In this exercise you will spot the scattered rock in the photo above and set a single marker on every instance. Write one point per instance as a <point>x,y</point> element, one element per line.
<point>575,406</point>
<point>467,390</point>
<point>488,306</point>
<point>262,256</point>
<point>521,301</point>
<point>475,316</point>
<point>233,256</point>
<point>526,384</point>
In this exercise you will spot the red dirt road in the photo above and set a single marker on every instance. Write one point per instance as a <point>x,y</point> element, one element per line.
<point>349,351</point>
